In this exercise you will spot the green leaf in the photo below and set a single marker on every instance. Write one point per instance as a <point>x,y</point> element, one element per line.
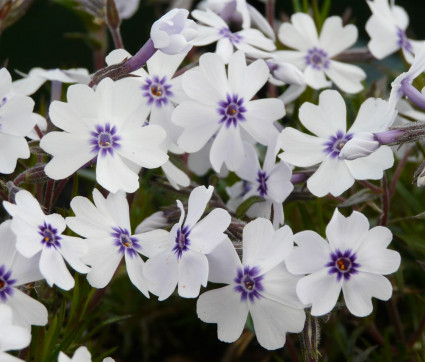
<point>363,195</point>
<point>243,208</point>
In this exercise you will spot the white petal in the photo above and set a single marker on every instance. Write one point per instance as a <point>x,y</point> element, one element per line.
<point>208,17</point>
<point>224,307</point>
<point>335,38</point>
<point>263,247</point>
<point>279,184</point>
<point>153,242</point>
<point>103,266</point>
<point>346,233</point>
<point>12,148</point>
<point>26,310</point>
<point>175,176</point>
<point>193,272</point>
<point>316,78</point>
<point>255,77</point>
<point>271,331</point>
<point>135,266</point>
<point>54,270</point>
<point>82,99</point>
<point>197,87</point>
<point>311,255</point>
<point>321,290</point>
<point>223,263</point>
<point>114,175</point>
<point>73,249</point>
<point>348,77</point>
<point>332,176</point>
<point>301,34</point>
<point>328,117</point>
<point>162,272</point>
<point>209,232</point>
<point>198,200</point>
<point>227,148</point>
<point>373,256</point>
<point>359,290</point>
<point>213,70</point>
<point>250,166</point>
<point>224,49</point>
<point>301,149</point>
<point>372,167</point>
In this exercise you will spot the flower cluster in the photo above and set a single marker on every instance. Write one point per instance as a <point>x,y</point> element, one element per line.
<point>255,117</point>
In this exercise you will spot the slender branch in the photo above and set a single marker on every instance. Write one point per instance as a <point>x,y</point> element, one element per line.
<point>48,196</point>
<point>58,191</point>
<point>398,170</point>
<point>370,186</point>
<point>383,219</point>
<point>378,337</point>
<point>395,316</point>
<point>418,332</point>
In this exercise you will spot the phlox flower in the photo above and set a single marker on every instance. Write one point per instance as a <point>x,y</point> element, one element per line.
<point>353,259</point>
<point>15,272</point>
<point>272,182</point>
<point>16,122</point>
<point>184,262</point>
<point>160,92</point>
<point>41,235</point>
<point>387,30</point>
<point>103,124</point>
<point>221,106</point>
<point>106,225</point>
<point>314,52</point>
<point>251,41</point>
<point>12,337</point>
<point>260,285</point>
<point>327,121</point>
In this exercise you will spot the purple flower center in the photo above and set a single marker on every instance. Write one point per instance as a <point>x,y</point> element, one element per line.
<point>343,264</point>
<point>233,37</point>
<point>104,140</point>
<point>317,58</point>
<point>403,42</point>
<point>157,91</point>
<point>248,283</point>
<point>231,110</point>
<point>125,242</point>
<point>262,178</point>
<point>182,241</point>
<point>50,237</point>
<point>6,283</point>
<point>335,144</point>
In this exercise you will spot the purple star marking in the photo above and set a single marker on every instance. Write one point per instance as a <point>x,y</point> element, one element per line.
<point>262,178</point>
<point>335,144</point>
<point>104,140</point>
<point>233,37</point>
<point>249,283</point>
<point>231,110</point>
<point>343,264</point>
<point>125,242</point>
<point>317,58</point>
<point>182,241</point>
<point>403,42</point>
<point>50,237</point>
<point>6,283</point>
<point>157,91</point>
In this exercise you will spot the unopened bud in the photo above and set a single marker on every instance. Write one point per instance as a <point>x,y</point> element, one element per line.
<point>173,33</point>
<point>360,145</point>
<point>286,72</point>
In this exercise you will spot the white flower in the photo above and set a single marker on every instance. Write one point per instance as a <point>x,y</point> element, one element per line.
<point>41,235</point>
<point>16,122</point>
<point>173,33</point>
<point>106,225</point>
<point>105,124</point>
<point>12,337</point>
<point>184,262</point>
<point>260,285</point>
<point>38,76</point>
<point>272,182</point>
<point>251,41</point>
<point>314,53</point>
<point>16,271</point>
<point>159,91</point>
<point>221,107</point>
<point>362,144</point>
<point>328,121</point>
<point>387,30</point>
<point>354,260</point>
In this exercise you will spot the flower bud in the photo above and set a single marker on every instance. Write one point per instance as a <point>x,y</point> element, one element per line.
<point>361,145</point>
<point>286,72</point>
<point>173,32</point>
